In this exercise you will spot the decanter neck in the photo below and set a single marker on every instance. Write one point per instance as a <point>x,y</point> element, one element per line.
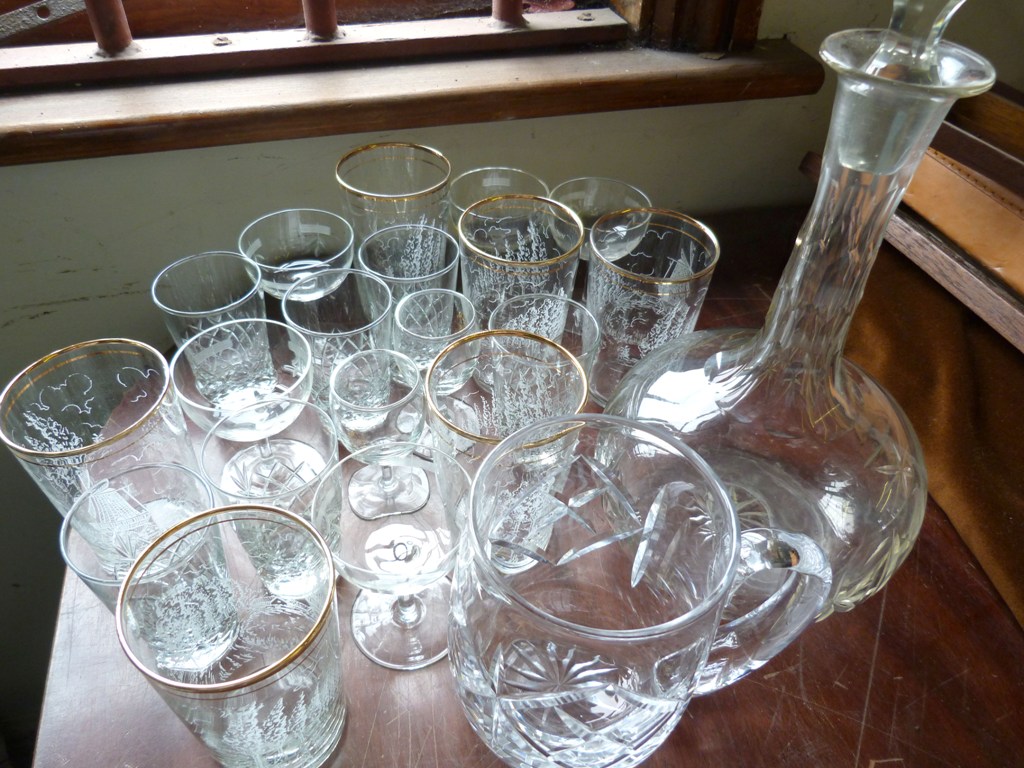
<point>883,119</point>
<point>813,307</point>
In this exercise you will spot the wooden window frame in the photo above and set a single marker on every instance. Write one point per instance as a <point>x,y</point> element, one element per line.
<point>646,53</point>
<point>692,25</point>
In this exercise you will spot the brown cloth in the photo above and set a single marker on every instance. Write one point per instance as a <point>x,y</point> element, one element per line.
<point>962,386</point>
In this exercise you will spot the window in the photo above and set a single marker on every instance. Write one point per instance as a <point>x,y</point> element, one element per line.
<point>230,83</point>
<point>54,42</point>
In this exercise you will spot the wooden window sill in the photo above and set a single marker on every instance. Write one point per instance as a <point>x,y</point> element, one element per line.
<point>84,122</point>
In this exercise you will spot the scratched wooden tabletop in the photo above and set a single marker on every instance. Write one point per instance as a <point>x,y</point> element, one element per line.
<point>926,673</point>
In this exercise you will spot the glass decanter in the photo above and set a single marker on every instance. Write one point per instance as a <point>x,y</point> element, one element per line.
<point>804,439</point>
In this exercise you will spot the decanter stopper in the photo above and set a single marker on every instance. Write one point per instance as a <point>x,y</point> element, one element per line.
<point>915,29</point>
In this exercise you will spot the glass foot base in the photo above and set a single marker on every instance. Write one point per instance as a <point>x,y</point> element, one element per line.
<point>406,632</point>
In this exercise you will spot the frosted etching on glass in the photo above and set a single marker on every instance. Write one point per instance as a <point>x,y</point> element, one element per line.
<point>232,361</point>
<point>84,412</point>
<point>253,672</point>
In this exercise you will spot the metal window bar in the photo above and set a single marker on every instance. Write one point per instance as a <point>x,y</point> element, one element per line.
<point>508,12</point>
<point>109,25</point>
<point>321,18</point>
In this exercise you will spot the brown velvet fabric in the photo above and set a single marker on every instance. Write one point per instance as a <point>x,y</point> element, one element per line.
<point>962,386</point>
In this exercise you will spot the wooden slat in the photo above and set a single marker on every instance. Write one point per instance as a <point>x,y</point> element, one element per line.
<point>984,158</point>
<point>996,116</point>
<point>190,55</point>
<point>79,123</point>
<point>950,266</point>
<point>710,26</point>
<point>988,297</point>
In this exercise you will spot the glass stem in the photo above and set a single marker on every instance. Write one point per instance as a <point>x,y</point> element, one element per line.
<point>388,483</point>
<point>407,611</point>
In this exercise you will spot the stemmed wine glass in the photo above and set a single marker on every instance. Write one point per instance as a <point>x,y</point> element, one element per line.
<point>376,399</point>
<point>398,561</point>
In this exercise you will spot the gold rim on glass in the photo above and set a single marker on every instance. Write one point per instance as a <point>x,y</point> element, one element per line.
<point>432,406</point>
<point>710,244</point>
<point>200,522</point>
<point>484,258</point>
<point>445,168</point>
<point>34,373</point>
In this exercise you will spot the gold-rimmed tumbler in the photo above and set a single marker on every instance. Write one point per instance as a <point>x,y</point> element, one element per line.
<point>255,675</point>
<point>390,183</point>
<point>89,410</point>
<point>516,244</point>
<point>485,386</point>
<point>648,276</point>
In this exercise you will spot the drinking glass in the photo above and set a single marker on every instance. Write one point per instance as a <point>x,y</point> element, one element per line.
<point>594,196</point>
<point>121,515</point>
<point>646,283</point>
<point>89,410</point>
<point>207,289</point>
<point>516,244</point>
<point>255,675</point>
<point>588,596</point>
<point>238,363</point>
<point>82,561</point>
<point>288,245</point>
<point>393,183</point>
<point>249,456</point>
<point>427,321</point>
<point>558,318</point>
<point>488,384</point>
<point>377,403</point>
<point>411,257</point>
<point>341,312</point>
<point>480,183</point>
<point>399,562</point>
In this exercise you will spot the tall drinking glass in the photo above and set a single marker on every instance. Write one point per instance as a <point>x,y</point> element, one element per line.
<point>516,244</point>
<point>393,183</point>
<point>255,675</point>
<point>341,312</point>
<point>485,386</point>
<point>478,184</point>
<point>647,280</point>
<point>558,318</point>
<point>206,289</point>
<point>90,410</point>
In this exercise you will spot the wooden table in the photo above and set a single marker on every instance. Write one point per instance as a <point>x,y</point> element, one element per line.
<point>926,673</point>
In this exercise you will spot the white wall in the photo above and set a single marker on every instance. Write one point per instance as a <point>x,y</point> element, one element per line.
<point>83,239</point>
